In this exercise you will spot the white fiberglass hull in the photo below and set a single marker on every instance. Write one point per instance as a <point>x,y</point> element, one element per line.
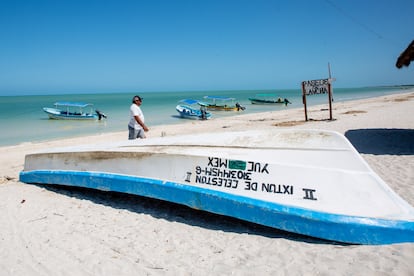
<point>303,181</point>
<point>58,114</point>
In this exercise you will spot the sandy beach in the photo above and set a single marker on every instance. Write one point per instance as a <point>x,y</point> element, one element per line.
<point>68,231</point>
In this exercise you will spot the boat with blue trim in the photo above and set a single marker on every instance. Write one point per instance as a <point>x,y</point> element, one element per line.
<point>310,182</point>
<point>192,109</point>
<point>73,111</point>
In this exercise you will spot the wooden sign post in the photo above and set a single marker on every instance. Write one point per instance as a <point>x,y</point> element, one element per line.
<point>314,87</point>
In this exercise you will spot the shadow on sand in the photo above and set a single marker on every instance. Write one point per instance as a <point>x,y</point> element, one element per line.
<point>382,141</point>
<point>179,213</point>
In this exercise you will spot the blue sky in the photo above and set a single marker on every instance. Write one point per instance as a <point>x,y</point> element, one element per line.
<point>107,46</point>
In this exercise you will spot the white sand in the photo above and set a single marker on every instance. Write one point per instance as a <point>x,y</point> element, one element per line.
<point>62,231</point>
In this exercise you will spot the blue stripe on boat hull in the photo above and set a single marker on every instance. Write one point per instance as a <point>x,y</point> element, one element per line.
<point>348,229</point>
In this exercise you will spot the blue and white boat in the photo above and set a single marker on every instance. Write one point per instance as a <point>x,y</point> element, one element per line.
<point>310,182</point>
<point>192,109</point>
<point>73,111</point>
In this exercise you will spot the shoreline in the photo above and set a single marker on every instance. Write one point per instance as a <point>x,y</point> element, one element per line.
<point>318,118</point>
<point>41,129</point>
<point>97,233</point>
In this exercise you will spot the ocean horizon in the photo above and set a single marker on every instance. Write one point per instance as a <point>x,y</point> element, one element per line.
<point>23,120</point>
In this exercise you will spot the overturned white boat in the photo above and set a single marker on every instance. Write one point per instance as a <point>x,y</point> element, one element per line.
<point>309,182</point>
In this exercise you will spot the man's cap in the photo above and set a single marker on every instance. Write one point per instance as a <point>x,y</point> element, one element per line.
<point>136,96</point>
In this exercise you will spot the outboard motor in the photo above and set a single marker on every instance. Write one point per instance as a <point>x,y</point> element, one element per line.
<point>239,107</point>
<point>100,114</point>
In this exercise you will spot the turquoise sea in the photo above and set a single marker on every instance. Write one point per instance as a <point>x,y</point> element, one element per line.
<point>22,119</point>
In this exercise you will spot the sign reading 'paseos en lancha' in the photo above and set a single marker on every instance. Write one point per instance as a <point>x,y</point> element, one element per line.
<point>313,87</point>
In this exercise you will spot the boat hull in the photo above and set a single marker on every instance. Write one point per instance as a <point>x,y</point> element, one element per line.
<point>308,182</point>
<point>260,101</point>
<point>220,103</point>
<point>222,108</point>
<point>188,112</point>
<point>58,114</point>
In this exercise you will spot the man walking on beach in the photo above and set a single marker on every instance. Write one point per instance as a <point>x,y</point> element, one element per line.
<point>136,125</point>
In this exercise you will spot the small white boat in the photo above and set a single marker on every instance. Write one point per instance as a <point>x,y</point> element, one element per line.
<point>309,182</point>
<point>192,109</point>
<point>73,111</point>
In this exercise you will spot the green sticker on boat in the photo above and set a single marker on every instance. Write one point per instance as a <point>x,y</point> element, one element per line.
<point>237,165</point>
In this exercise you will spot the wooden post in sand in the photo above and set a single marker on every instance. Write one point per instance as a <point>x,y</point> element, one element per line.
<point>330,98</point>
<point>304,100</point>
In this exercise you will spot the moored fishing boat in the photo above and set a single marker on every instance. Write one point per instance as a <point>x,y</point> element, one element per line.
<point>221,103</point>
<point>268,99</point>
<point>192,109</point>
<point>73,111</point>
<point>310,182</point>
